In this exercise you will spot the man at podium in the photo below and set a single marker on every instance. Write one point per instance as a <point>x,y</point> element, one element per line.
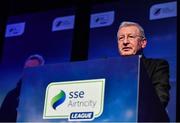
<point>132,41</point>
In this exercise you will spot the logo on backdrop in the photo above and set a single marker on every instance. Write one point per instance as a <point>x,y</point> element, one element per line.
<point>15,29</point>
<point>102,19</point>
<point>81,100</point>
<point>63,23</point>
<point>163,10</point>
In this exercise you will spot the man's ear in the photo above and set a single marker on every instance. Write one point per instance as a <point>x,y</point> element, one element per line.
<point>143,43</point>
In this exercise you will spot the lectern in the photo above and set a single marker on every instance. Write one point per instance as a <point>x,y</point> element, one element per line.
<point>101,90</point>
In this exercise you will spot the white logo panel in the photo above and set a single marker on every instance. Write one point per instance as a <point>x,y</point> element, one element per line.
<point>15,29</point>
<point>63,23</point>
<point>102,19</point>
<point>163,10</point>
<point>81,100</point>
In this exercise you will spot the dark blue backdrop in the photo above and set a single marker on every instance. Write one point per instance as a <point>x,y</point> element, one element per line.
<point>56,46</point>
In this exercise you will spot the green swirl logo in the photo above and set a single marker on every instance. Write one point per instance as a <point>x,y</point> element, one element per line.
<point>58,99</point>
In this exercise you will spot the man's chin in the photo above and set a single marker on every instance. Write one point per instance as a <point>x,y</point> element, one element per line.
<point>126,54</point>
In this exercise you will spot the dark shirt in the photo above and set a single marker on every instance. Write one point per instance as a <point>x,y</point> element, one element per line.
<point>158,72</point>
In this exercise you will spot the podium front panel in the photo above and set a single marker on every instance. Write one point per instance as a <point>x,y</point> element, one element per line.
<point>120,99</point>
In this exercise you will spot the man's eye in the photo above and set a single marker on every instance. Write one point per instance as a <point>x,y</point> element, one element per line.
<point>130,36</point>
<point>120,38</point>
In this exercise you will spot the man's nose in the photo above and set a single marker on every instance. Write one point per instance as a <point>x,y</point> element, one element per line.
<point>125,41</point>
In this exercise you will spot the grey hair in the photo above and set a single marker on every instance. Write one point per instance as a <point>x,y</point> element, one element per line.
<point>128,23</point>
<point>38,57</point>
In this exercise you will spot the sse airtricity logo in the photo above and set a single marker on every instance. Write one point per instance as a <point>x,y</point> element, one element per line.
<point>58,99</point>
<point>79,100</point>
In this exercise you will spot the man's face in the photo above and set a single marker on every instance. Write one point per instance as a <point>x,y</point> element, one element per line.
<point>130,40</point>
<point>32,63</point>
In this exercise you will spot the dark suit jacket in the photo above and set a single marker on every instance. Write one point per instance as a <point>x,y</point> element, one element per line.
<point>158,72</point>
<point>8,111</point>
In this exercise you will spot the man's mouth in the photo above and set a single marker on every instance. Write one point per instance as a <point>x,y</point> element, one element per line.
<point>126,48</point>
